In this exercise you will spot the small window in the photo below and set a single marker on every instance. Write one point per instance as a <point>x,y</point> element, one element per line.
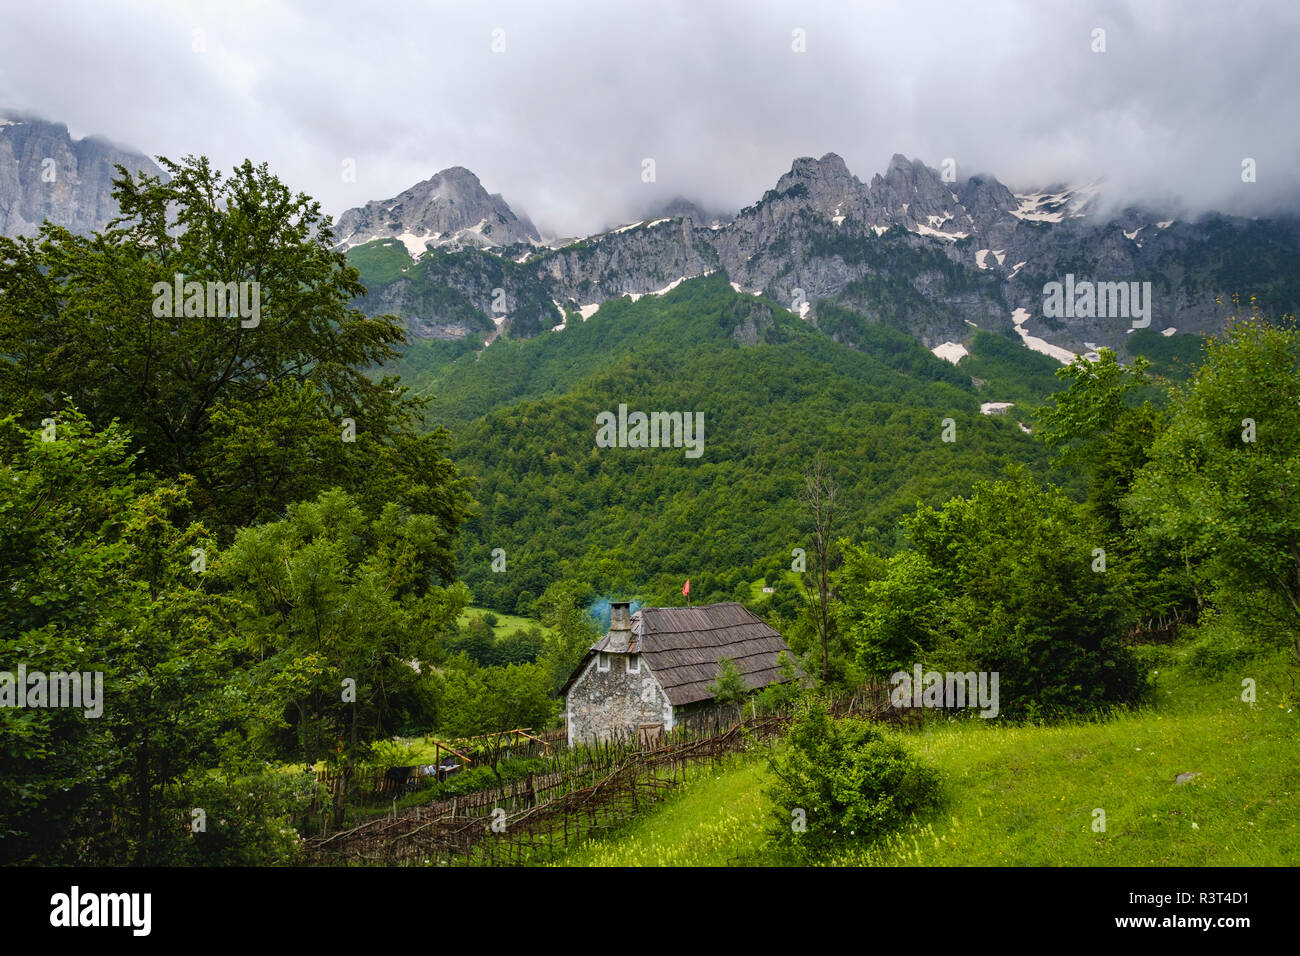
<point>602,661</point>
<point>634,663</point>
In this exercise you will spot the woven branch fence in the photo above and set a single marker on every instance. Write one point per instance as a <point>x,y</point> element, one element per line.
<point>592,789</point>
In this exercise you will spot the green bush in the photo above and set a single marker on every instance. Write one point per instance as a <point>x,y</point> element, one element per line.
<point>1000,581</point>
<point>476,778</point>
<point>1151,657</point>
<point>844,781</point>
<point>730,686</point>
<point>785,693</point>
<point>392,753</point>
<point>1217,645</point>
<point>247,820</point>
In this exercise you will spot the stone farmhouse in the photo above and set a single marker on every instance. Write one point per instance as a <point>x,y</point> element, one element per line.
<point>651,672</point>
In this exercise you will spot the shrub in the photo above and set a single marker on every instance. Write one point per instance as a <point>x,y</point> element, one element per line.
<point>841,781</point>
<point>526,604</point>
<point>392,753</point>
<point>475,778</point>
<point>1217,645</point>
<point>1150,659</point>
<point>248,820</point>
<point>730,686</point>
<point>785,693</point>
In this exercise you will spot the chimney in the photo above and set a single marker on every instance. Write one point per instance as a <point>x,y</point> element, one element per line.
<point>620,627</point>
<point>620,616</point>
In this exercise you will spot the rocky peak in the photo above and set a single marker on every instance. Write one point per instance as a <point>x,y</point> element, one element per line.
<point>829,167</point>
<point>912,193</point>
<point>826,183</point>
<point>451,208</point>
<point>984,197</point>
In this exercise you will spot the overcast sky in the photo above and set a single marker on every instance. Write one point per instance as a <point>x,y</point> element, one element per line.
<point>560,120</point>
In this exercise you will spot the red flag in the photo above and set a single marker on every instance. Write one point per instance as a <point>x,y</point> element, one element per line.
<point>686,588</point>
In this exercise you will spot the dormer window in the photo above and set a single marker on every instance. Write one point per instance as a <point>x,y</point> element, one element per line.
<point>634,663</point>
<point>602,661</point>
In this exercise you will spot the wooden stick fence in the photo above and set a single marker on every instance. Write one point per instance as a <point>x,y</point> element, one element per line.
<point>536,819</point>
<point>588,789</point>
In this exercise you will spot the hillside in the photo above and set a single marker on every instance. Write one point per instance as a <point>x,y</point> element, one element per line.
<point>1025,795</point>
<point>774,393</point>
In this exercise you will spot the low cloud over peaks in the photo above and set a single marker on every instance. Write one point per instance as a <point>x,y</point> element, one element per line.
<point>559,106</point>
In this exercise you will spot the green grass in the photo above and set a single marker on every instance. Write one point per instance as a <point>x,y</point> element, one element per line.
<point>1026,795</point>
<point>380,261</point>
<point>789,580</point>
<point>715,819</point>
<point>506,623</point>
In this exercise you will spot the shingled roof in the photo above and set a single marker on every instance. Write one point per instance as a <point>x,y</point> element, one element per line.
<point>683,645</point>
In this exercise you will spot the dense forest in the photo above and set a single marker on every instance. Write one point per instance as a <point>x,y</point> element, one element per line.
<point>774,393</point>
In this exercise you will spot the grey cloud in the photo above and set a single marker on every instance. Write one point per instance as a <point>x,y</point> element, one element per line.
<point>560,122</point>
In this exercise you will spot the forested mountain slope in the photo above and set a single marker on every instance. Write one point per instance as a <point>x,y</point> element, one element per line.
<point>774,392</point>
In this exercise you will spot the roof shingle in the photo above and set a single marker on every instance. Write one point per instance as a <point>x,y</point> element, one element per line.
<point>683,645</point>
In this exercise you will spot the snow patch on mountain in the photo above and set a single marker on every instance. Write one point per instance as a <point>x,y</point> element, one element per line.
<point>1021,316</point>
<point>936,234</point>
<point>417,246</point>
<point>1080,199</point>
<point>670,286</point>
<point>952,352</point>
<point>1040,207</point>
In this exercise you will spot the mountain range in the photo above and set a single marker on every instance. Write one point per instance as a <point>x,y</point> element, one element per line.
<point>936,259</point>
<point>930,254</point>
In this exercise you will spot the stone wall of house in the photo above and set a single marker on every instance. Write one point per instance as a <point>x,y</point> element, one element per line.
<point>613,703</point>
